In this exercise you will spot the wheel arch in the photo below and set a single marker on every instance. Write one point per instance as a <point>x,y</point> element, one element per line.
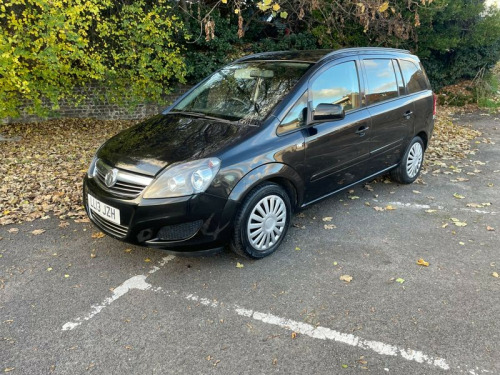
<point>278,173</point>
<point>423,135</point>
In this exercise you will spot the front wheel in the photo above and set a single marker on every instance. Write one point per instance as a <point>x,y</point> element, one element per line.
<point>262,221</point>
<point>409,168</point>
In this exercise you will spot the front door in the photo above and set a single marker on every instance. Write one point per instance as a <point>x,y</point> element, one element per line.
<point>336,150</point>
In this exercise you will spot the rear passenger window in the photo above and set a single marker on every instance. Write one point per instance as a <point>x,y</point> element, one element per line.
<point>381,79</point>
<point>414,77</point>
<point>337,85</point>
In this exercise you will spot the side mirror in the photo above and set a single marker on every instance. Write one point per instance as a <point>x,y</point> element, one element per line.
<point>325,111</point>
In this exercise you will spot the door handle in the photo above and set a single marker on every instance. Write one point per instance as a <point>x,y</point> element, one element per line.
<point>362,130</point>
<point>407,114</point>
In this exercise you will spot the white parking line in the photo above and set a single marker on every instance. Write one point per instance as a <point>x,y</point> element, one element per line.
<point>316,332</point>
<point>324,333</point>
<point>426,206</point>
<point>135,282</point>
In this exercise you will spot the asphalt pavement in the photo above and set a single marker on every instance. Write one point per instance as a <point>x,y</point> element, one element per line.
<point>132,310</point>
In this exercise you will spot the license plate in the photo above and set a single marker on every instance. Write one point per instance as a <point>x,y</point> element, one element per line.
<point>104,210</point>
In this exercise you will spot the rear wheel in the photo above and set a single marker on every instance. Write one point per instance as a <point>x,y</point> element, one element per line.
<point>409,168</point>
<point>262,221</point>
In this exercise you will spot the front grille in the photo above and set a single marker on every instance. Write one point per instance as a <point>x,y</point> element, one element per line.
<point>179,231</point>
<point>116,230</point>
<point>127,185</point>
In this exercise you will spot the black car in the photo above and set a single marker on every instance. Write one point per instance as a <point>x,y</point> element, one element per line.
<point>260,138</point>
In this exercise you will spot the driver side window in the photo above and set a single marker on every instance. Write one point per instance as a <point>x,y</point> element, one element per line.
<point>337,85</point>
<point>296,117</point>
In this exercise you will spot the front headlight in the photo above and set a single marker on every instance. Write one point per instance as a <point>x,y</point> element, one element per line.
<point>184,179</point>
<point>91,171</point>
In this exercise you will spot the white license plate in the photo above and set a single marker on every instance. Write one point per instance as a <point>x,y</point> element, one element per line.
<point>104,210</point>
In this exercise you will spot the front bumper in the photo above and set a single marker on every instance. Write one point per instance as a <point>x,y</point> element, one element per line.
<point>185,224</point>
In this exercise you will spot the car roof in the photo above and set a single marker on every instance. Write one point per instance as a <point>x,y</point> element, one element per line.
<point>314,56</point>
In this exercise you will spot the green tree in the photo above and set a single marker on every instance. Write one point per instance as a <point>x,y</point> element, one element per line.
<point>49,47</point>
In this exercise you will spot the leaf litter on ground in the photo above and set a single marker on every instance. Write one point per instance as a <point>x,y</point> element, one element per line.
<point>43,171</point>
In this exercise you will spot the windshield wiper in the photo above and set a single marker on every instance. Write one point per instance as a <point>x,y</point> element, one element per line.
<point>200,115</point>
<point>209,117</point>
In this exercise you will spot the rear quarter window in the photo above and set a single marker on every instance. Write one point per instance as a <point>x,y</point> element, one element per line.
<point>414,77</point>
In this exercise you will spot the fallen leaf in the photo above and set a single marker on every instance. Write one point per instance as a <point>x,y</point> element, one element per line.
<point>66,276</point>
<point>495,274</point>
<point>382,8</point>
<point>147,260</point>
<point>430,211</point>
<point>93,255</point>
<point>491,229</point>
<point>83,220</point>
<point>444,225</point>
<point>294,335</point>
<point>416,192</point>
<point>8,369</point>
<point>98,235</point>
<point>239,265</point>
<point>346,278</point>
<point>13,230</point>
<point>461,243</point>
<point>344,366</point>
<point>329,226</point>
<point>128,250</point>
<point>474,205</point>
<point>63,224</point>
<point>327,218</point>
<point>458,196</point>
<point>389,207</point>
<point>37,232</point>
<point>353,197</point>
<point>297,248</point>
<point>422,262</point>
<point>49,269</point>
<point>460,224</point>
<point>400,280</point>
<point>377,208</point>
<point>454,219</point>
<point>335,263</point>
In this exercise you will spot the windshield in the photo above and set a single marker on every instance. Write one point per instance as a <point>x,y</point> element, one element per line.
<point>244,92</point>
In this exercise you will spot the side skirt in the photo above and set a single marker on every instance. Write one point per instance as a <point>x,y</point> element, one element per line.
<point>348,186</point>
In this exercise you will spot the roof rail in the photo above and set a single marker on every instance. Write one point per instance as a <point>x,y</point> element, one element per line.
<point>363,49</point>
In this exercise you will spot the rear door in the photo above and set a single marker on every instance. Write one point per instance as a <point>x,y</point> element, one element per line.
<point>336,149</point>
<point>392,112</point>
<point>419,90</point>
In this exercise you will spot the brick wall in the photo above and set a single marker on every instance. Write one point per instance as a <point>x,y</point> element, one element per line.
<point>96,106</point>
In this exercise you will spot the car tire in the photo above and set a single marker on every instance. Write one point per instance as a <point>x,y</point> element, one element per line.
<point>261,222</point>
<point>410,165</point>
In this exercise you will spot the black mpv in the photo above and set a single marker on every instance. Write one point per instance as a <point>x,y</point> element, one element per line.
<point>269,134</point>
